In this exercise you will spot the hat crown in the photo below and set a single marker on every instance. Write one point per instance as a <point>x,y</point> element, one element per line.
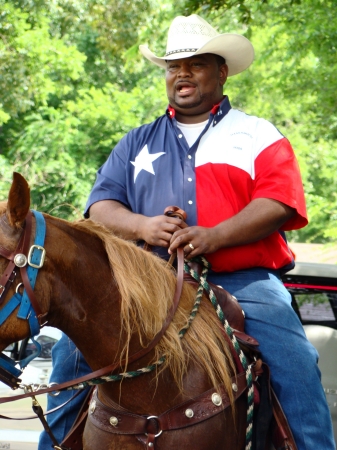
<point>190,32</point>
<point>192,35</point>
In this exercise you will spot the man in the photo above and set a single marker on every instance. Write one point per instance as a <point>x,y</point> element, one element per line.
<point>237,178</point>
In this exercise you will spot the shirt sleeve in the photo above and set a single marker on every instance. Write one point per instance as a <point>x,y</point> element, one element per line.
<point>111,180</point>
<point>277,176</point>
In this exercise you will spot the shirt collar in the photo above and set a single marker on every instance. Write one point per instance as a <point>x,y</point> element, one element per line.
<point>219,111</point>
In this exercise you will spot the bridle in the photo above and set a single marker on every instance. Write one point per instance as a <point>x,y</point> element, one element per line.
<point>28,259</point>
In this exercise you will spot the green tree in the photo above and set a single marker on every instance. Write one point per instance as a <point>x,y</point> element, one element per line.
<point>34,65</point>
<point>72,83</point>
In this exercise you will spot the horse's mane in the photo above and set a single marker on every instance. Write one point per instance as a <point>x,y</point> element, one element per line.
<point>147,287</point>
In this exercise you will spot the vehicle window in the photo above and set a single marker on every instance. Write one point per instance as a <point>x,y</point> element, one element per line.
<point>315,306</point>
<point>47,344</point>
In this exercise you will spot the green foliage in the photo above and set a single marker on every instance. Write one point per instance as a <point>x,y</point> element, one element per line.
<point>33,64</point>
<point>72,83</point>
<point>206,6</point>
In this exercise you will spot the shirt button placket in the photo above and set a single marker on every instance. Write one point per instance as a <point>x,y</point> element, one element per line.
<point>189,194</point>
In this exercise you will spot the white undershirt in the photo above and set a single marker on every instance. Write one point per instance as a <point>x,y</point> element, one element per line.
<point>191,131</point>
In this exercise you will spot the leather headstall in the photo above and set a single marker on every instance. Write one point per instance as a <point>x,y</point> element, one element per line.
<point>28,259</point>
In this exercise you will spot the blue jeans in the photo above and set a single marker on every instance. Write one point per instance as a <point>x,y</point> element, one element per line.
<point>68,364</point>
<point>292,359</point>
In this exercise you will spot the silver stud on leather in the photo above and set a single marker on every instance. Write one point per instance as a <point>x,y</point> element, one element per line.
<point>20,260</point>
<point>216,399</point>
<point>235,387</point>
<point>189,413</point>
<point>113,421</point>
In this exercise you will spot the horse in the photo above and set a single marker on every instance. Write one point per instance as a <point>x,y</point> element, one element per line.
<point>112,298</point>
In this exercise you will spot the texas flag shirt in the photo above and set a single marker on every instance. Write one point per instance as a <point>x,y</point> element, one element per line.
<point>236,159</point>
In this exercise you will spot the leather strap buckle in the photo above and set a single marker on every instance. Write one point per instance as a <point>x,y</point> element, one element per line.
<point>39,264</point>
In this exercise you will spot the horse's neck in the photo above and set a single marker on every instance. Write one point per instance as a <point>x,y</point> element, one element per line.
<point>85,304</point>
<point>84,299</point>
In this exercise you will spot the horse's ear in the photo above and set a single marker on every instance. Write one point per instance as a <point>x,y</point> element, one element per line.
<point>18,201</point>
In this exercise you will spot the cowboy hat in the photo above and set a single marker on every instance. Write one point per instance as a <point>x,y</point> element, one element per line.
<point>192,35</point>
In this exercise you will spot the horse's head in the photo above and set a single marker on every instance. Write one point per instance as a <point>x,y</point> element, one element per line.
<point>12,219</point>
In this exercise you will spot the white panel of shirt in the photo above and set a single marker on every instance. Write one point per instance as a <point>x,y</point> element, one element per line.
<point>236,140</point>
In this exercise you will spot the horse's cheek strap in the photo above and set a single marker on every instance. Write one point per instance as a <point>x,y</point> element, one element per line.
<point>7,310</point>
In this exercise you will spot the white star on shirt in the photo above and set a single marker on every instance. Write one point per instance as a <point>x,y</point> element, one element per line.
<point>144,161</point>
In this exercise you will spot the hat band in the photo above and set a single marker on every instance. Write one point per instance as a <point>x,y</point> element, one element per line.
<point>182,50</point>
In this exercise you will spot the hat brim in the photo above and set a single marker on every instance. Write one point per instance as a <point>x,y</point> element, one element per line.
<point>236,49</point>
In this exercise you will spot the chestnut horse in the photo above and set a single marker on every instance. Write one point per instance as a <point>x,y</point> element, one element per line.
<point>111,298</point>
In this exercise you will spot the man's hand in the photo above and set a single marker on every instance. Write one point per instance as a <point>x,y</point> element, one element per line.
<point>195,240</point>
<point>259,219</point>
<point>156,230</point>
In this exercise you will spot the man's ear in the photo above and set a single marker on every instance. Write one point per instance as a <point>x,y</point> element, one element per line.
<point>223,71</point>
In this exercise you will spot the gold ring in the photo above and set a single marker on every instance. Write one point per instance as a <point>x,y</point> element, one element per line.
<point>191,246</point>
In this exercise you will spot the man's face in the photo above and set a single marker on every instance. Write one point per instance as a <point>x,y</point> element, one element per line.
<point>194,85</point>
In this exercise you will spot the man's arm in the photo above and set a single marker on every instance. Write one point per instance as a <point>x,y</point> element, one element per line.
<point>156,230</point>
<point>259,219</point>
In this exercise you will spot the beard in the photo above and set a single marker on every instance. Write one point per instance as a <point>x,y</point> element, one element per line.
<point>206,100</point>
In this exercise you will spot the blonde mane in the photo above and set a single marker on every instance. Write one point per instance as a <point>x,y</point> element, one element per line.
<point>147,286</point>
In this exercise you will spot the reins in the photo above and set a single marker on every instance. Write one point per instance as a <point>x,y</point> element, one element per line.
<point>203,285</point>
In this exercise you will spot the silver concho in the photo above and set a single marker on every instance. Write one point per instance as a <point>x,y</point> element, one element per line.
<point>235,387</point>
<point>113,421</point>
<point>20,260</point>
<point>92,407</point>
<point>216,399</point>
<point>189,413</point>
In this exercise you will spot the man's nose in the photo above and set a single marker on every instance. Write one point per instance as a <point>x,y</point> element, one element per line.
<point>184,70</point>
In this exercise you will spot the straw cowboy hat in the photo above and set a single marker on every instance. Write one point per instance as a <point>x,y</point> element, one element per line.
<point>192,35</point>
